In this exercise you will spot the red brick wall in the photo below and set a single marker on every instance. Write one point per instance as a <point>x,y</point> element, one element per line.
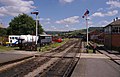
<point>107,40</point>
<point>116,40</point>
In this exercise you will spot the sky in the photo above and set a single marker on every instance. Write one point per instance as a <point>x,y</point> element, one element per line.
<point>62,15</point>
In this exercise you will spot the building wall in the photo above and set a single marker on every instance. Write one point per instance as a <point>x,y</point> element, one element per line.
<point>107,41</point>
<point>112,34</point>
<point>116,40</point>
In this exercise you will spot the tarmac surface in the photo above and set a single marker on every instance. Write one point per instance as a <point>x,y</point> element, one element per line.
<point>96,65</point>
<point>6,57</point>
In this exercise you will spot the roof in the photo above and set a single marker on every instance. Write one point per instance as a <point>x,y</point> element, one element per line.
<point>114,23</point>
<point>45,35</point>
<point>117,22</point>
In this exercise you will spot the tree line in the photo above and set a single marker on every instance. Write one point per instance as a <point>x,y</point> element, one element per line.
<point>22,24</point>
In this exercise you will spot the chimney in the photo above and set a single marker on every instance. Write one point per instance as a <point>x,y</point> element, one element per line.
<point>113,20</point>
<point>116,18</point>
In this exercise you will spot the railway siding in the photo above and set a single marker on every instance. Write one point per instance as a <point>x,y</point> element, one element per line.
<point>64,66</point>
<point>41,68</point>
<point>61,58</point>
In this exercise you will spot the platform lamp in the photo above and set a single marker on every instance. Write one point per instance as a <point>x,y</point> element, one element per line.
<point>36,13</point>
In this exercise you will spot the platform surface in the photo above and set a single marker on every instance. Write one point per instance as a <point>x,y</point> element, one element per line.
<point>96,65</point>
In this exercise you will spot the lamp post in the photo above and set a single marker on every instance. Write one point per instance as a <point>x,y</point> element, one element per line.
<point>36,13</point>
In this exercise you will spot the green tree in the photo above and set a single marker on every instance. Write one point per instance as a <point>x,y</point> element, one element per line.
<point>23,25</point>
<point>3,31</point>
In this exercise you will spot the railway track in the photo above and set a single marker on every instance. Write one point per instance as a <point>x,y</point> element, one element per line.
<point>64,66</point>
<point>24,69</point>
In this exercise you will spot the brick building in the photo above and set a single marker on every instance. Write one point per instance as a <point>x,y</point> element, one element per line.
<point>112,35</point>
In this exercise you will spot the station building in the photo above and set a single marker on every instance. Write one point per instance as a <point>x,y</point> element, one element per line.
<point>112,35</point>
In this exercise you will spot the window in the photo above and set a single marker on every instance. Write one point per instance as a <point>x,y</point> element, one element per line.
<point>16,37</point>
<point>11,41</point>
<point>12,37</point>
<point>42,37</point>
<point>116,29</point>
<point>119,30</point>
<point>107,30</point>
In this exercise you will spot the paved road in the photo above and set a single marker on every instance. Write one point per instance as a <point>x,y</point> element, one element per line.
<point>95,65</point>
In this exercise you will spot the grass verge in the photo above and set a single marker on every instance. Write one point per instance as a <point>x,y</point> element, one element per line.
<point>53,45</point>
<point>5,48</point>
<point>44,48</point>
<point>90,50</point>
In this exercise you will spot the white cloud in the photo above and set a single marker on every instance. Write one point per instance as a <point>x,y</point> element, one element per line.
<point>104,23</point>
<point>109,13</point>
<point>70,20</point>
<point>48,19</point>
<point>15,7</point>
<point>101,23</point>
<point>100,9</point>
<point>53,27</point>
<point>73,28</point>
<point>99,14</point>
<point>113,3</point>
<point>67,26</point>
<point>45,19</point>
<point>90,23</point>
<point>112,13</point>
<point>66,1</point>
<point>46,23</point>
<point>1,14</point>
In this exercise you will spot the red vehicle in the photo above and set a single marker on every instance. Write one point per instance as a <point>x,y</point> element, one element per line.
<point>59,40</point>
<point>56,39</point>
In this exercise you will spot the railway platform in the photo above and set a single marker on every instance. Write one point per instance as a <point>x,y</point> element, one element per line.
<point>96,65</point>
<point>114,57</point>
